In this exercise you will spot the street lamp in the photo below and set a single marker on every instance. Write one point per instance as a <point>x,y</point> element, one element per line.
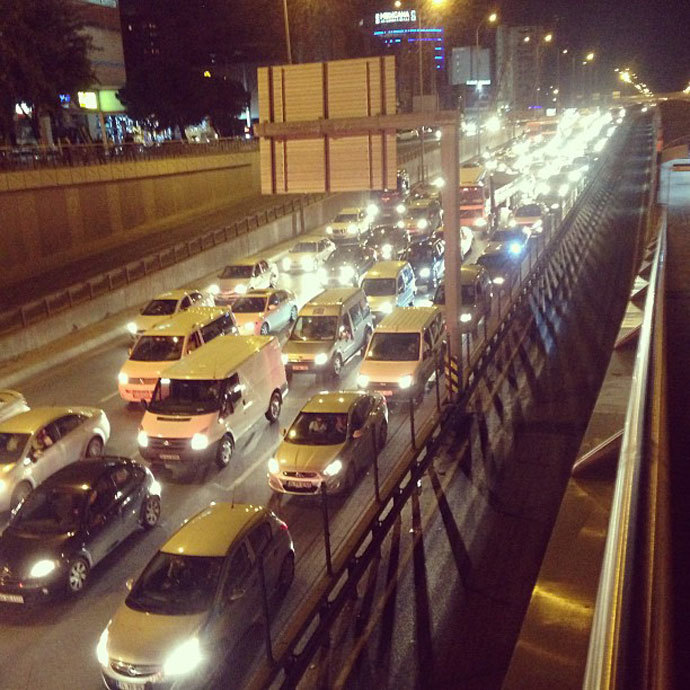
<point>489,19</point>
<point>286,18</point>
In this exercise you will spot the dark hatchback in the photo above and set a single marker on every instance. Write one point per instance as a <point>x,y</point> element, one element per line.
<point>427,261</point>
<point>346,265</point>
<point>388,241</point>
<point>70,523</point>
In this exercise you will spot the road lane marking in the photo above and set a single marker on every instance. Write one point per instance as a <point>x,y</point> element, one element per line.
<point>110,396</point>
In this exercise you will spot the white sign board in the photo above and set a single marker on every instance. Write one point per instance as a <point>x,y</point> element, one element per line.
<point>396,17</point>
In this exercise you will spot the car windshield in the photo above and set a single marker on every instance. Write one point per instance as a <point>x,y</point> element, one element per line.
<point>237,272</point>
<point>492,262</point>
<point>186,396</point>
<point>529,211</point>
<point>160,307</point>
<point>249,305</point>
<point>176,585</point>
<point>302,247</point>
<point>417,213</point>
<point>508,235</point>
<point>51,511</point>
<point>11,447</point>
<point>394,347</point>
<point>315,328</point>
<point>419,252</point>
<point>468,294</point>
<point>157,348</point>
<point>346,218</point>
<point>318,429</point>
<point>377,287</point>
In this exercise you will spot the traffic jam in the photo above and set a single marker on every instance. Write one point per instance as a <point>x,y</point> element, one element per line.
<point>332,338</point>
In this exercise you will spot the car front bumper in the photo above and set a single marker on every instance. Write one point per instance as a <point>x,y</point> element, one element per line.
<point>305,483</point>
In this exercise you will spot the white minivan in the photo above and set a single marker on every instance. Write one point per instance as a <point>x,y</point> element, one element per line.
<point>208,401</point>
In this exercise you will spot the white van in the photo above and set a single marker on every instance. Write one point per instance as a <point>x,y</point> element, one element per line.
<point>209,400</point>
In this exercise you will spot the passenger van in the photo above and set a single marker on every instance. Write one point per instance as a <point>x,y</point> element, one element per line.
<point>168,342</point>
<point>208,401</point>
<point>389,284</point>
<point>406,349</point>
<point>477,296</point>
<point>330,330</point>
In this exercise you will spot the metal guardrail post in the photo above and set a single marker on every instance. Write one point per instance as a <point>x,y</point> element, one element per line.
<point>326,528</point>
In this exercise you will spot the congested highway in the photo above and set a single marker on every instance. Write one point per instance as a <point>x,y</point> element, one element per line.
<point>546,181</point>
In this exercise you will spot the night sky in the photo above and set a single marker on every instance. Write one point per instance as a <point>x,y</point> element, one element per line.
<point>651,37</point>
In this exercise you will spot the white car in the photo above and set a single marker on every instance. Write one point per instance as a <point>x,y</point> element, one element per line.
<point>11,403</point>
<point>244,275</point>
<point>350,224</point>
<point>308,254</point>
<point>261,312</point>
<point>167,304</point>
<point>38,443</point>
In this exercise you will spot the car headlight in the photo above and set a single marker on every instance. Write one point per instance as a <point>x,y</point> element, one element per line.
<point>372,210</point>
<point>498,280</point>
<point>199,442</point>
<point>307,263</point>
<point>351,229</point>
<point>183,659</point>
<point>329,230</point>
<point>515,248</point>
<point>400,224</point>
<point>249,327</point>
<point>273,466</point>
<point>424,272</point>
<point>122,378</point>
<point>387,307</point>
<point>320,359</point>
<point>286,263</point>
<point>241,289</point>
<point>405,381</point>
<point>555,207</point>
<point>386,251</point>
<point>400,208</point>
<point>3,485</point>
<point>480,222</point>
<point>362,380</point>
<point>323,275</point>
<point>132,327</point>
<point>284,359</point>
<point>214,289</point>
<point>155,488</point>
<point>143,439</point>
<point>333,469</point>
<point>42,568</point>
<point>422,223</point>
<point>465,318</point>
<point>102,649</point>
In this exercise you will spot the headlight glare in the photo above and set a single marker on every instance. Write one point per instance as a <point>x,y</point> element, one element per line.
<point>405,381</point>
<point>132,327</point>
<point>102,648</point>
<point>422,223</point>
<point>122,378</point>
<point>387,307</point>
<point>334,468</point>
<point>307,263</point>
<point>320,359</point>
<point>498,280</point>
<point>400,208</point>
<point>284,359</point>
<point>362,380</point>
<point>183,659</point>
<point>143,439</point>
<point>424,272</point>
<point>273,466</point>
<point>286,263</point>
<point>480,222</point>
<point>42,568</point>
<point>465,318</point>
<point>199,441</point>
<point>249,327</point>
<point>241,289</point>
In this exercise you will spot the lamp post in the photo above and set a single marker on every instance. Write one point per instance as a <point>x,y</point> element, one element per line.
<point>547,38</point>
<point>489,19</point>
<point>286,18</point>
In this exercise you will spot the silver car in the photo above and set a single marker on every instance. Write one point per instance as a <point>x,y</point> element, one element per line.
<point>37,443</point>
<point>261,312</point>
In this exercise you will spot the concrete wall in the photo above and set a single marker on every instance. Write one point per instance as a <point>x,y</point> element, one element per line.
<point>48,217</point>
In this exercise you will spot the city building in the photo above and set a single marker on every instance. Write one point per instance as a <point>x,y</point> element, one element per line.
<point>517,54</point>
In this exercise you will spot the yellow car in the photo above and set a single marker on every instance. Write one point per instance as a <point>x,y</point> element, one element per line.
<point>195,599</point>
<point>334,436</point>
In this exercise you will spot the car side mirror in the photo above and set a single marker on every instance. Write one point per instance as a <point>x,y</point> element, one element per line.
<point>272,307</point>
<point>33,455</point>
<point>283,431</point>
<point>357,433</point>
<point>236,593</point>
<point>129,583</point>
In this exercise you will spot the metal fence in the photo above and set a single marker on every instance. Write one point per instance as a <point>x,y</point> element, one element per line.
<point>78,155</point>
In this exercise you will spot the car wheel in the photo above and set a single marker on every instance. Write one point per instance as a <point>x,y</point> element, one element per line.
<point>95,448</point>
<point>287,573</point>
<point>21,491</point>
<point>265,329</point>
<point>224,452</point>
<point>293,314</point>
<point>274,407</point>
<point>151,512</point>
<point>337,366</point>
<point>77,575</point>
<point>382,436</point>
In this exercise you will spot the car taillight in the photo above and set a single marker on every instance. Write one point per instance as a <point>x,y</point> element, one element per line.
<point>283,525</point>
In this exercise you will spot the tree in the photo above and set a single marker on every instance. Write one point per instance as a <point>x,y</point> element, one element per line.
<point>44,54</point>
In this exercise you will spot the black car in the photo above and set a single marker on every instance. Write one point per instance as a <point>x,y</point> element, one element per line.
<point>514,238</point>
<point>388,241</point>
<point>346,265</point>
<point>71,522</point>
<point>427,260</point>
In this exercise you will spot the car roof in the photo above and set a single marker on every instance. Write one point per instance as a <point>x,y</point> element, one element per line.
<point>220,357</point>
<point>349,209</point>
<point>83,474</point>
<point>493,248</point>
<point>214,530</point>
<point>174,294</point>
<point>332,401</point>
<point>333,296</point>
<point>385,269</point>
<point>407,319</point>
<point>246,261</point>
<point>185,321</point>
<point>28,422</point>
<point>309,238</point>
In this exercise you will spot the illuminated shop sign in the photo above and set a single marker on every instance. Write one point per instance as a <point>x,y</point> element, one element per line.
<point>396,17</point>
<point>88,100</point>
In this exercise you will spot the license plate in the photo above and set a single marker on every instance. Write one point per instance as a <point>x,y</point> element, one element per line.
<point>300,367</point>
<point>139,395</point>
<point>121,685</point>
<point>12,598</point>
<point>385,393</point>
<point>298,485</point>
<point>168,456</point>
